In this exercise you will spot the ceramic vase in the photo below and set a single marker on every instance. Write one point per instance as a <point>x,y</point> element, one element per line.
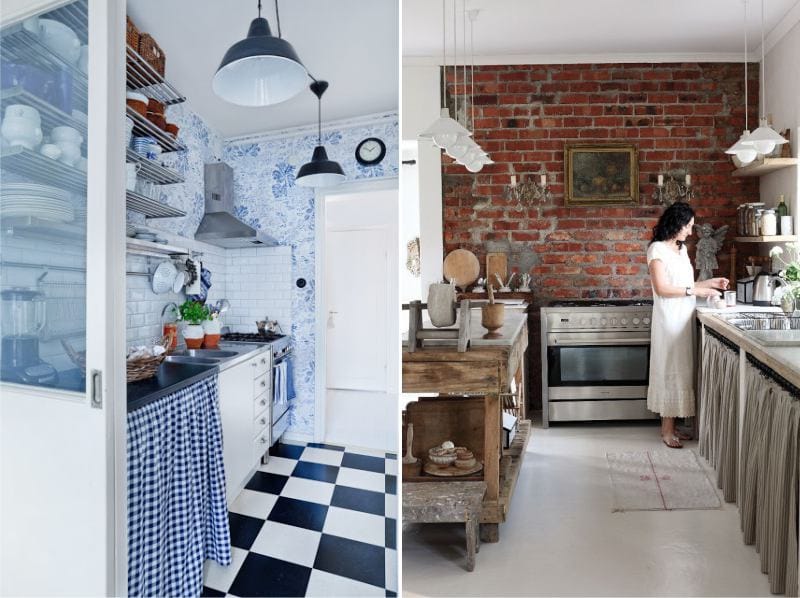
<point>442,304</point>
<point>193,334</point>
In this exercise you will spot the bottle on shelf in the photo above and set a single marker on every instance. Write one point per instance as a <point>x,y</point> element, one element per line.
<point>781,210</point>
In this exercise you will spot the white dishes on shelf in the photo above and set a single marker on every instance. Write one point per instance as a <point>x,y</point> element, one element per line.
<point>60,39</point>
<point>69,141</point>
<point>164,277</point>
<point>50,150</point>
<point>22,126</point>
<point>177,283</point>
<point>38,201</point>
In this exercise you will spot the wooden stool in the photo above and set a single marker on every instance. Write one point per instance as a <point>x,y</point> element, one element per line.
<point>447,502</point>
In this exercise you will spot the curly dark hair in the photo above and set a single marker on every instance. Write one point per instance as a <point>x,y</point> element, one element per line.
<point>674,218</point>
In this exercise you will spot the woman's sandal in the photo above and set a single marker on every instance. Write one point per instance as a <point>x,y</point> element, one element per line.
<point>674,442</point>
<point>681,435</point>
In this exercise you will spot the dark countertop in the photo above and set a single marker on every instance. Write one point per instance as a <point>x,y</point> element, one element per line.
<point>169,378</point>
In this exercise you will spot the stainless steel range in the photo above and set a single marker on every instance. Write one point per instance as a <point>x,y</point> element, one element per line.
<point>595,360</point>
<point>281,388</point>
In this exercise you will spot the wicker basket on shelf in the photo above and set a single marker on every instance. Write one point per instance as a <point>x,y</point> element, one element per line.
<point>131,34</point>
<point>146,367</point>
<point>152,53</point>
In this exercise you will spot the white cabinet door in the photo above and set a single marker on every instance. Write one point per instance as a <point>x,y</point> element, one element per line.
<point>236,408</point>
<point>62,437</point>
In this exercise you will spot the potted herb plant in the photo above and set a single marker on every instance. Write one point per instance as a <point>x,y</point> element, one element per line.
<point>193,313</point>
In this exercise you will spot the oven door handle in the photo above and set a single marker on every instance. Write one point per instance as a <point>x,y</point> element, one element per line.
<point>592,342</point>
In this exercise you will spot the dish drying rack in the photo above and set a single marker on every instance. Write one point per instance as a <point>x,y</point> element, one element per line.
<point>768,321</point>
<point>65,309</point>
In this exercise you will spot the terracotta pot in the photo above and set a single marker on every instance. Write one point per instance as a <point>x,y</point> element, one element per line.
<point>140,107</point>
<point>492,316</point>
<point>211,341</point>
<point>193,334</point>
<point>193,343</point>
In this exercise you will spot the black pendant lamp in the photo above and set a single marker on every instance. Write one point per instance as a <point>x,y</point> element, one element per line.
<point>261,69</point>
<point>320,172</point>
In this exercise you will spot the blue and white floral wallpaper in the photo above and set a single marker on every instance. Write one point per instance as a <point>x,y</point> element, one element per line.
<point>267,198</point>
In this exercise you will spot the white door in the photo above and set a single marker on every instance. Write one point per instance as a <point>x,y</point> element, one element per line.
<point>62,498</point>
<point>356,272</point>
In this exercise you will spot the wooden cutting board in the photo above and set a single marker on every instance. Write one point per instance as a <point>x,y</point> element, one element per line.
<point>463,266</point>
<point>496,263</point>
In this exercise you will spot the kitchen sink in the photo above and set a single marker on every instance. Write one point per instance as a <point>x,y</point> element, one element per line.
<point>192,359</point>
<point>763,321</point>
<point>214,353</point>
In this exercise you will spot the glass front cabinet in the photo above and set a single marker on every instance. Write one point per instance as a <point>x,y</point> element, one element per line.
<point>62,211</point>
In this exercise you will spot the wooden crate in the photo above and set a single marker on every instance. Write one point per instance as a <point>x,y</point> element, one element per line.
<point>437,419</point>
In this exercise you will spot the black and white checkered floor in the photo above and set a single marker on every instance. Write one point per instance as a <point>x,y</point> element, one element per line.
<point>317,520</point>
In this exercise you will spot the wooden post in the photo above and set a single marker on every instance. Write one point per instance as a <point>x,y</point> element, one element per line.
<point>732,276</point>
<point>491,454</point>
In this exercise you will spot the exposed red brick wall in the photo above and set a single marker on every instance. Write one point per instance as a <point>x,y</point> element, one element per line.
<point>678,115</point>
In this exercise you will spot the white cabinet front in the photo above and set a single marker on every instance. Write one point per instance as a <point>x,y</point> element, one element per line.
<point>236,408</point>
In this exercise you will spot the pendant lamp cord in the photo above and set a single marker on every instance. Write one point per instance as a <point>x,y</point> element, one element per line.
<point>464,47</point>
<point>745,66</point>
<point>455,61</point>
<point>259,9</point>
<point>763,81</point>
<point>472,68</point>
<point>444,55</point>
<point>277,17</point>
<point>319,120</point>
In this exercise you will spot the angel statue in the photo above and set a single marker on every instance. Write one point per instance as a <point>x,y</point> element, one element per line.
<point>708,244</point>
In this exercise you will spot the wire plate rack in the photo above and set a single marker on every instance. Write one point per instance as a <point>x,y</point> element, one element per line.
<point>765,321</point>
<point>151,208</point>
<point>17,44</point>
<point>145,79</point>
<point>50,115</point>
<point>153,171</point>
<point>41,169</point>
<point>144,128</point>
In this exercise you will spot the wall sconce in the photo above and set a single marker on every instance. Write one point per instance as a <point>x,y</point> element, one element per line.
<point>529,192</point>
<point>675,186</point>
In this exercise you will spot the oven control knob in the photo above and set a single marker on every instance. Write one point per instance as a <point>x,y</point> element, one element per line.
<point>636,321</point>
<point>646,321</point>
<point>624,321</point>
<point>613,321</point>
<point>593,321</point>
<point>603,321</point>
<point>583,321</point>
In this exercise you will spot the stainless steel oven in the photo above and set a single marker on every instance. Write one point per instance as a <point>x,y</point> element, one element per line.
<point>595,361</point>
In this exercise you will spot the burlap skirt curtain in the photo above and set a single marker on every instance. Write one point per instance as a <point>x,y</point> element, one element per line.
<point>768,493</point>
<point>719,412</point>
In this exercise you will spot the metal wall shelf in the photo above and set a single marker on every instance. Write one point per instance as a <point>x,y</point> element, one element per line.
<point>19,45</point>
<point>153,171</point>
<point>144,78</point>
<point>41,169</point>
<point>51,116</point>
<point>139,247</point>
<point>151,208</point>
<point>30,226</point>
<point>144,128</point>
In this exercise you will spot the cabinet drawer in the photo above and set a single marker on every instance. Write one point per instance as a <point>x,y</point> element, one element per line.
<point>261,402</point>
<point>261,385</point>
<point>260,445</point>
<point>261,422</point>
<point>260,365</point>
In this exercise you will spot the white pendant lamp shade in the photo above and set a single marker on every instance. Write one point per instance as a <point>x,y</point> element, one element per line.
<point>462,146</point>
<point>445,131</point>
<point>259,70</point>
<point>765,138</point>
<point>743,149</point>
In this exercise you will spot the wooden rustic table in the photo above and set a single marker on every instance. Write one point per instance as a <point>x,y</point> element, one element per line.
<point>487,369</point>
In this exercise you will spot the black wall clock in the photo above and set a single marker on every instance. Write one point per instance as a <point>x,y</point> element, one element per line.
<point>370,151</point>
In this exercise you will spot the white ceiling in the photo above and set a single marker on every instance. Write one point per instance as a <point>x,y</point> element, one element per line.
<point>352,44</point>
<point>542,31</point>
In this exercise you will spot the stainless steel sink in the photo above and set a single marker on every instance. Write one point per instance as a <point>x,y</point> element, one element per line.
<point>214,353</point>
<point>191,359</point>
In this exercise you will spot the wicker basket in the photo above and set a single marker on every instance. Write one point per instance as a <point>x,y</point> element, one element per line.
<point>152,53</point>
<point>131,34</point>
<point>146,367</point>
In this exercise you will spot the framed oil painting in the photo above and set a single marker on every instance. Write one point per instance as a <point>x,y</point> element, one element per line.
<point>601,175</point>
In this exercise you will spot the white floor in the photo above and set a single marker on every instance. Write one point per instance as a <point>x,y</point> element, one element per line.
<point>562,539</point>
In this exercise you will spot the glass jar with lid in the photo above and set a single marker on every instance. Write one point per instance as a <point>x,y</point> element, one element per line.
<point>769,223</point>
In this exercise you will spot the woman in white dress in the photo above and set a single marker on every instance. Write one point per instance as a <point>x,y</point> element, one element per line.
<point>671,390</point>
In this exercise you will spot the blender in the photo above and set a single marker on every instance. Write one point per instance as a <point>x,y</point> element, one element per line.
<point>22,315</point>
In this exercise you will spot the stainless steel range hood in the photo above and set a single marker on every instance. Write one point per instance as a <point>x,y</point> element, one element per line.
<point>219,226</point>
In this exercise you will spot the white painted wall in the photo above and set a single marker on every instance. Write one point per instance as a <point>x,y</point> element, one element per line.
<point>421,103</point>
<point>783,103</point>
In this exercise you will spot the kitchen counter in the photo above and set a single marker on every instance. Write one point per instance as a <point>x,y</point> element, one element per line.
<point>785,361</point>
<point>173,376</point>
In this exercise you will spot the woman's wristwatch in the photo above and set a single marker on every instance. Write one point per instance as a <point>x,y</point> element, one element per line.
<point>689,291</point>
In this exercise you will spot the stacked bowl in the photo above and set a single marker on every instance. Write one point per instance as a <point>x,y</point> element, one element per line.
<point>69,141</point>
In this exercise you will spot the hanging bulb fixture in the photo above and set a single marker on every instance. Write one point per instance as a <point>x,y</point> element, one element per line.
<point>764,138</point>
<point>743,149</point>
<point>444,131</point>
<point>261,69</point>
<point>320,172</point>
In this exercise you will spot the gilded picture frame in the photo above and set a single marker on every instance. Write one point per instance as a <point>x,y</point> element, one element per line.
<point>598,175</point>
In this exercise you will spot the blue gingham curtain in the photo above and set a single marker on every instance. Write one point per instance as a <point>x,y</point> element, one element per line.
<point>177,513</point>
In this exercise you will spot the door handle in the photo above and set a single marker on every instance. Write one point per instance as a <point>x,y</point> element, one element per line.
<point>97,389</point>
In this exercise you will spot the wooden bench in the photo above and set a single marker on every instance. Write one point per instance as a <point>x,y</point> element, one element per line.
<point>447,502</point>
